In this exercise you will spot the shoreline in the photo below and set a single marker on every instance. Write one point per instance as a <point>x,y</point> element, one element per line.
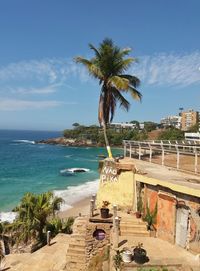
<point>80,207</point>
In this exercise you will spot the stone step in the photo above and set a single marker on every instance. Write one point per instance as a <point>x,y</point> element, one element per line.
<point>80,231</point>
<point>134,233</point>
<point>78,236</point>
<point>130,226</point>
<point>136,222</point>
<point>74,258</point>
<point>76,267</point>
<point>79,244</point>
<point>77,251</point>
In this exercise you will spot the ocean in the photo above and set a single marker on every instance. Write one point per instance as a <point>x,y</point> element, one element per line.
<point>29,167</point>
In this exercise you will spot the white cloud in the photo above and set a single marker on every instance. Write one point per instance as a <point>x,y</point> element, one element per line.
<point>16,105</point>
<point>169,69</point>
<point>48,74</point>
<point>50,71</point>
<point>40,90</point>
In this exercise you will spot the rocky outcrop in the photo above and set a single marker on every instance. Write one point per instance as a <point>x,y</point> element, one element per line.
<point>67,142</point>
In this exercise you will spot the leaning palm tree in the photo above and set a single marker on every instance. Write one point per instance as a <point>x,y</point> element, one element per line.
<point>108,66</point>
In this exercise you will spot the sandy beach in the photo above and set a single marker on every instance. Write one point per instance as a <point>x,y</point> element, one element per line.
<point>81,207</point>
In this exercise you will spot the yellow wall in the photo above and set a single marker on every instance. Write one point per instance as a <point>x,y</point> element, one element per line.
<point>120,192</point>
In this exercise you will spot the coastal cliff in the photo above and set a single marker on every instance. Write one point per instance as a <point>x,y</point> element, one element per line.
<point>67,142</point>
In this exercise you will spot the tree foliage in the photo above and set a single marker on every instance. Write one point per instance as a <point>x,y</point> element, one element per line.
<point>194,128</point>
<point>95,133</point>
<point>34,211</point>
<point>171,134</point>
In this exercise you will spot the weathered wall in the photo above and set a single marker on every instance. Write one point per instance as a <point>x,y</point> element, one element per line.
<point>168,201</point>
<point>95,247</point>
<point>166,217</point>
<point>193,203</point>
<point>116,186</point>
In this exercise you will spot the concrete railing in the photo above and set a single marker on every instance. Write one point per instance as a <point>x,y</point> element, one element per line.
<point>137,149</point>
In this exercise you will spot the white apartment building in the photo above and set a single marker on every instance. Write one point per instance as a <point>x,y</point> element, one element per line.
<point>123,125</point>
<point>174,121</point>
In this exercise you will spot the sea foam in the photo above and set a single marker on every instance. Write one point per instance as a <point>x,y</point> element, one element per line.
<point>74,194</point>
<point>7,216</point>
<point>70,196</point>
<point>24,141</point>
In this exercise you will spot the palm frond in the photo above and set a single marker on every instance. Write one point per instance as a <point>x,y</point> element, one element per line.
<point>95,50</point>
<point>91,67</point>
<point>82,60</point>
<point>126,63</point>
<point>133,80</point>
<point>119,82</point>
<point>135,93</point>
<point>125,51</point>
<point>120,98</point>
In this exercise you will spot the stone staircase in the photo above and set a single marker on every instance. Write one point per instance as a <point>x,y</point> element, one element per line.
<point>132,226</point>
<point>48,258</point>
<point>76,257</point>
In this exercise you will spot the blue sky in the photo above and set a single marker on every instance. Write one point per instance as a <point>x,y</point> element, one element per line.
<point>42,88</point>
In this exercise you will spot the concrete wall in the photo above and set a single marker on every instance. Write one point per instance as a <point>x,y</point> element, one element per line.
<point>116,188</point>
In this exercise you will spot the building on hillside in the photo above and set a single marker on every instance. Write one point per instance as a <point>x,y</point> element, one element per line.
<point>118,126</point>
<point>174,121</point>
<point>189,119</point>
<point>194,137</point>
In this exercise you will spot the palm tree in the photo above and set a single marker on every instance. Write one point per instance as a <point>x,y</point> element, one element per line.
<point>108,66</point>
<point>33,213</point>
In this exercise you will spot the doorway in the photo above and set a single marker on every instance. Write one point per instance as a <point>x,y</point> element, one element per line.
<point>182,216</point>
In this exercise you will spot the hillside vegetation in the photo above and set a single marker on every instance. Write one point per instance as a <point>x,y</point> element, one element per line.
<point>95,134</point>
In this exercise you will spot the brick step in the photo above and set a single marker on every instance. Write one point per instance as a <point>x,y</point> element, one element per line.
<point>78,251</point>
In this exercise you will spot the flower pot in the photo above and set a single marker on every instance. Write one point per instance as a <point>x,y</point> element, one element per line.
<point>127,256</point>
<point>104,212</point>
<point>138,215</point>
<point>140,255</point>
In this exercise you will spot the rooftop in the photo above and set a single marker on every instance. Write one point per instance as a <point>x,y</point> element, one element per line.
<point>156,174</point>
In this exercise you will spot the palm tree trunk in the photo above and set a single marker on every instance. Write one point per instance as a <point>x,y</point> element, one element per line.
<point>106,141</point>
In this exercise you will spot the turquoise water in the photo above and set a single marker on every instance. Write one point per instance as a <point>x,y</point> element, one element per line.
<point>25,166</point>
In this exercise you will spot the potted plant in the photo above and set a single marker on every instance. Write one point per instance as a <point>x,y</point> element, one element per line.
<point>138,214</point>
<point>139,254</point>
<point>150,217</point>
<point>117,259</point>
<point>104,209</point>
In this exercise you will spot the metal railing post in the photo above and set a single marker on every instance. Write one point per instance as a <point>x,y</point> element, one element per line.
<point>139,152</point>
<point>196,161</point>
<point>124,148</point>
